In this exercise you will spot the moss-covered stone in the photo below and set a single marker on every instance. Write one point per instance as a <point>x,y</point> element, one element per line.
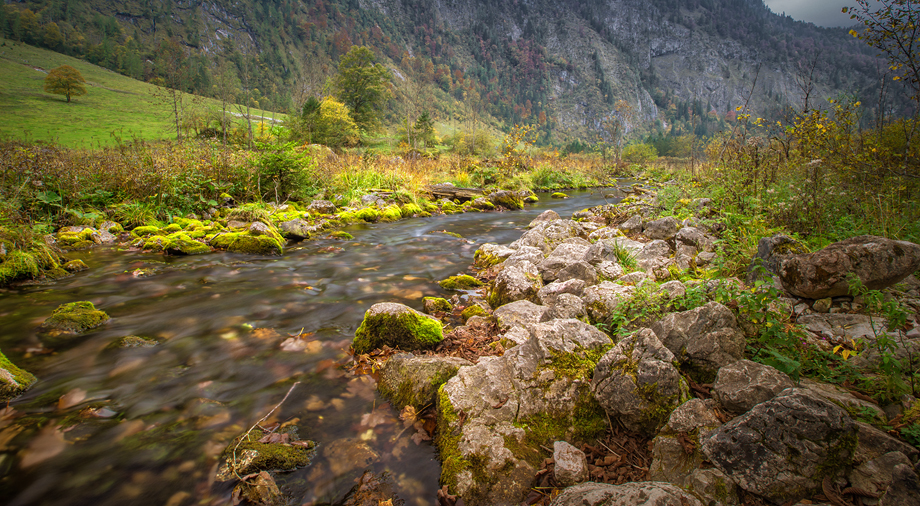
<point>462,282</point>
<point>246,455</point>
<point>75,317</point>
<point>472,311</point>
<point>76,266</point>
<point>390,213</point>
<point>437,304</point>
<point>73,241</point>
<point>133,342</point>
<point>449,207</point>
<point>559,195</point>
<point>180,243</point>
<point>341,234</point>
<point>412,209</point>
<point>408,380</point>
<point>18,265</point>
<point>243,242</point>
<point>13,380</point>
<point>366,214</point>
<point>507,199</point>
<point>145,230</point>
<point>531,199</point>
<point>397,326</point>
<point>172,228</point>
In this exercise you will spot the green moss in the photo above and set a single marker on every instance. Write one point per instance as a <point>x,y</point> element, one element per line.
<point>840,452</point>
<point>408,393</point>
<point>483,260</point>
<point>391,213</point>
<point>76,266</point>
<point>578,365</point>
<point>407,331</point>
<point>17,266</point>
<point>448,207</point>
<point>472,311</point>
<point>154,243</point>
<point>270,456</point>
<point>13,380</point>
<point>367,214</point>
<point>462,282</point>
<point>659,409</point>
<point>172,228</point>
<point>77,240</point>
<point>447,440</point>
<point>249,213</point>
<point>559,195</point>
<point>145,231</point>
<point>431,207</point>
<point>437,304</point>
<point>532,198</point>
<point>341,234</point>
<point>586,422</point>
<point>243,242</point>
<point>132,342</point>
<point>508,201</point>
<point>75,317</point>
<point>180,243</point>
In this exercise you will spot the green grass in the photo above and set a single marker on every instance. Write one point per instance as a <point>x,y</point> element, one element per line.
<point>114,104</point>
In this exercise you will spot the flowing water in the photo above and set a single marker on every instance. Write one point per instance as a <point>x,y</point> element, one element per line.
<point>114,426</point>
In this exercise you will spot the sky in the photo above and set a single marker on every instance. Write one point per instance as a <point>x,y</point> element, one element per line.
<point>819,12</point>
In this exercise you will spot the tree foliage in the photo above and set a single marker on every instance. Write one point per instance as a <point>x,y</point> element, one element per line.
<point>327,122</point>
<point>65,80</point>
<point>892,27</point>
<point>361,84</point>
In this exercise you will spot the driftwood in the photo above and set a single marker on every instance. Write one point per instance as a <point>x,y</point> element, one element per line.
<point>453,192</point>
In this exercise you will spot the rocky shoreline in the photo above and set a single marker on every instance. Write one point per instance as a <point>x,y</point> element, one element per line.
<point>672,367</point>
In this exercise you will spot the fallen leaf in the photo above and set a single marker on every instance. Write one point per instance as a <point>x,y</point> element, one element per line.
<point>276,438</point>
<point>408,416</point>
<point>48,444</point>
<point>72,398</point>
<point>373,419</point>
<point>420,436</point>
<point>265,333</point>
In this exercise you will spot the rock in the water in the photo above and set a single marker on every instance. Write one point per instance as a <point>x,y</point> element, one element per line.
<point>13,380</point>
<point>396,325</point>
<point>879,263</point>
<point>507,199</point>
<point>646,493</point>
<point>410,380</point>
<point>522,313</point>
<point>705,338</point>
<point>258,450</point>
<point>636,383</point>
<point>75,317</point>
<point>298,229</point>
<point>260,489</point>
<point>744,384</point>
<point>663,228</point>
<point>783,448</point>
<point>518,282</point>
<point>571,464</point>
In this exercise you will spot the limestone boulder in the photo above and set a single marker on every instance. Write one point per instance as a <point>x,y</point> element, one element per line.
<point>904,489</point>
<point>566,306</point>
<point>490,254</point>
<point>771,251</point>
<point>580,270</point>
<point>782,448</point>
<point>412,380</point>
<point>521,313</point>
<point>397,326</point>
<point>571,464</point>
<point>524,254</point>
<point>877,261</point>
<point>744,384</point>
<point>298,229</point>
<point>633,225</point>
<point>507,199</point>
<point>548,235</point>
<point>705,338</point>
<point>74,317</point>
<point>645,493</point>
<point>484,452</point>
<point>662,228</point>
<point>675,450</point>
<point>637,384</point>
<point>875,476</point>
<point>604,298</point>
<point>517,282</point>
<point>544,217</point>
<point>564,255</point>
<point>548,294</point>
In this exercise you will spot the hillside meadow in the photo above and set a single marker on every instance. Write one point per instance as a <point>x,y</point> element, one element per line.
<point>115,107</point>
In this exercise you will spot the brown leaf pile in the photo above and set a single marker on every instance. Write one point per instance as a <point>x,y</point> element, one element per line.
<point>479,338</point>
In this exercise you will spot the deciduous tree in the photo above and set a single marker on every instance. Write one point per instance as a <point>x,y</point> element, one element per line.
<point>65,80</point>
<point>892,27</point>
<point>361,84</point>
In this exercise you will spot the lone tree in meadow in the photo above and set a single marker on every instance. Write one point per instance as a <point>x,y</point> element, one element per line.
<point>65,80</point>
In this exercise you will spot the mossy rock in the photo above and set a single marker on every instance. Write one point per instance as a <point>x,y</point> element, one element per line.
<point>437,304</point>
<point>341,234</point>
<point>145,230</point>
<point>397,326</point>
<point>412,209</point>
<point>391,213</point>
<point>531,199</point>
<point>472,311</point>
<point>408,380</point>
<point>246,455</point>
<point>180,243</point>
<point>462,282</point>
<point>76,266</point>
<point>448,207</point>
<point>154,243</point>
<point>172,228</point>
<point>13,380</point>
<point>75,317</point>
<point>558,195</point>
<point>73,241</point>
<point>17,266</point>
<point>132,342</point>
<point>243,242</point>
<point>367,214</point>
<point>507,199</point>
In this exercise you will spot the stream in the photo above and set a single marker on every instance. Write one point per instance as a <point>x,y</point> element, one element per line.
<point>145,425</point>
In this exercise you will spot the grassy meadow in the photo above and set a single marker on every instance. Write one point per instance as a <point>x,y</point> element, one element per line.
<point>115,106</point>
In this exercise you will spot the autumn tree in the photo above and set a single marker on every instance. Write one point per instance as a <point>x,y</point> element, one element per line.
<point>892,27</point>
<point>65,80</point>
<point>362,84</point>
<point>327,122</point>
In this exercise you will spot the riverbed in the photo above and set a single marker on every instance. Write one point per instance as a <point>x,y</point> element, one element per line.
<point>144,426</point>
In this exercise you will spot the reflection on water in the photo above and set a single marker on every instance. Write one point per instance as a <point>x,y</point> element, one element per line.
<point>145,425</point>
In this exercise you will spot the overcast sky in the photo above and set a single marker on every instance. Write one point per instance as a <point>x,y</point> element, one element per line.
<point>819,12</point>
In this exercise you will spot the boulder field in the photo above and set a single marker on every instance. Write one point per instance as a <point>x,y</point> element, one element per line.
<point>597,331</point>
